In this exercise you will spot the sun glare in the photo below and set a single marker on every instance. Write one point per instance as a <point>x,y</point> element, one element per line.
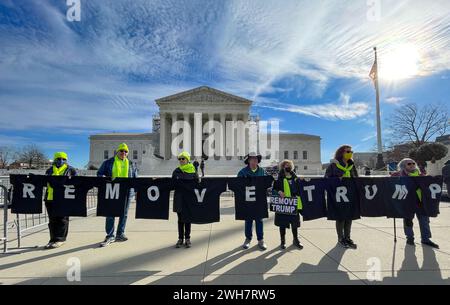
<point>401,62</point>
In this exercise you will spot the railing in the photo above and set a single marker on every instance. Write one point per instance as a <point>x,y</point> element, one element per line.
<point>28,224</point>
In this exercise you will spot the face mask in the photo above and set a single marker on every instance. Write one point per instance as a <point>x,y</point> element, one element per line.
<point>348,156</point>
<point>60,162</point>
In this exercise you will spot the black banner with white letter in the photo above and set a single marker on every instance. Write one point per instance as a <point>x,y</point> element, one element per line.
<point>152,199</point>
<point>346,198</point>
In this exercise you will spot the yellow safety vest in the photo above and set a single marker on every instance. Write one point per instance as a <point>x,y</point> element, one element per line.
<point>120,168</point>
<point>287,193</point>
<point>56,172</point>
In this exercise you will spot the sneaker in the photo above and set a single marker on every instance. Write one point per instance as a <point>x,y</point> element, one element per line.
<point>410,241</point>
<point>179,243</point>
<point>298,244</point>
<point>343,244</point>
<point>351,244</point>
<point>49,246</point>
<point>108,240</point>
<point>430,244</point>
<point>246,244</point>
<point>262,245</point>
<point>121,238</point>
<point>187,244</point>
<point>57,244</point>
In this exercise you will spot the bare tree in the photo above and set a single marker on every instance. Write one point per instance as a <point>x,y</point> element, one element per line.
<point>418,126</point>
<point>7,154</point>
<point>33,156</point>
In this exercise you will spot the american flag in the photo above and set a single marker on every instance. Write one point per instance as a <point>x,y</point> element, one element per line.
<point>374,71</point>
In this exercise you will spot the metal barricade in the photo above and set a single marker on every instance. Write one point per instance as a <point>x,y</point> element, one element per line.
<point>29,224</point>
<point>4,204</point>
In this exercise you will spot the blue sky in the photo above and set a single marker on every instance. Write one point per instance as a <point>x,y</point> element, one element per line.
<point>303,62</point>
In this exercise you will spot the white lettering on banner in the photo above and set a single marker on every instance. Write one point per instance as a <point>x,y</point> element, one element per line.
<point>153,193</point>
<point>285,200</point>
<point>341,193</point>
<point>200,196</point>
<point>69,192</point>
<point>283,205</point>
<point>250,193</point>
<point>112,193</point>
<point>374,189</point>
<point>401,192</point>
<point>309,190</point>
<point>28,191</point>
<point>435,189</point>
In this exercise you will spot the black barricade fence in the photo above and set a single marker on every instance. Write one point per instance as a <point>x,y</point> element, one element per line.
<point>334,198</point>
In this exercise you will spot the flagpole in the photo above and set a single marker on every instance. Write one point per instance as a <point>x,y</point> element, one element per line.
<point>380,163</point>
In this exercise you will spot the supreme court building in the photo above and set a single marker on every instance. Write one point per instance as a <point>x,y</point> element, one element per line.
<point>155,153</point>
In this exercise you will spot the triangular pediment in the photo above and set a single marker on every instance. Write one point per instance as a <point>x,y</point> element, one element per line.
<point>203,94</point>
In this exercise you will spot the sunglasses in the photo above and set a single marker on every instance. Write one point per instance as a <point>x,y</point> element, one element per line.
<point>123,151</point>
<point>60,159</point>
<point>348,152</point>
<point>410,163</point>
<point>181,159</point>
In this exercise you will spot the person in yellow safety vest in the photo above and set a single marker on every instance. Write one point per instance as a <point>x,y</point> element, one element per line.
<point>58,226</point>
<point>408,167</point>
<point>184,172</point>
<point>117,167</point>
<point>343,167</point>
<point>287,186</point>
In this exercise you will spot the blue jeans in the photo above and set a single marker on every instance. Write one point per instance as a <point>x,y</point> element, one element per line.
<point>424,224</point>
<point>249,229</point>
<point>109,227</point>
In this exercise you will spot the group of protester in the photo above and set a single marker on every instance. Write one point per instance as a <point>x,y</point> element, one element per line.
<point>284,186</point>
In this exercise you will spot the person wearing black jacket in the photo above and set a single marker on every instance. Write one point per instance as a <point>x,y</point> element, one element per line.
<point>58,226</point>
<point>343,167</point>
<point>202,167</point>
<point>196,165</point>
<point>286,186</point>
<point>185,171</point>
<point>446,176</point>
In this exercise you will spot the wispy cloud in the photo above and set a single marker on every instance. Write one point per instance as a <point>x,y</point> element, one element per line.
<point>104,72</point>
<point>369,137</point>
<point>394,100</point>
<point>344,109</point>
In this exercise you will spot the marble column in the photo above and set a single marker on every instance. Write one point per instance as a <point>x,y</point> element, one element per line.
<point>245,133</point>
<point>162,134</point>
<point>174,134</point>
<point>187,139</point>
<point>233,136</point>
<point>222,136</point>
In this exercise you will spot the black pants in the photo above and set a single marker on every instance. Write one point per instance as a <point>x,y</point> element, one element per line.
<point>343,229</point>
<point>184,229</point>
<point>57,225</point>
<point>283,233</point>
